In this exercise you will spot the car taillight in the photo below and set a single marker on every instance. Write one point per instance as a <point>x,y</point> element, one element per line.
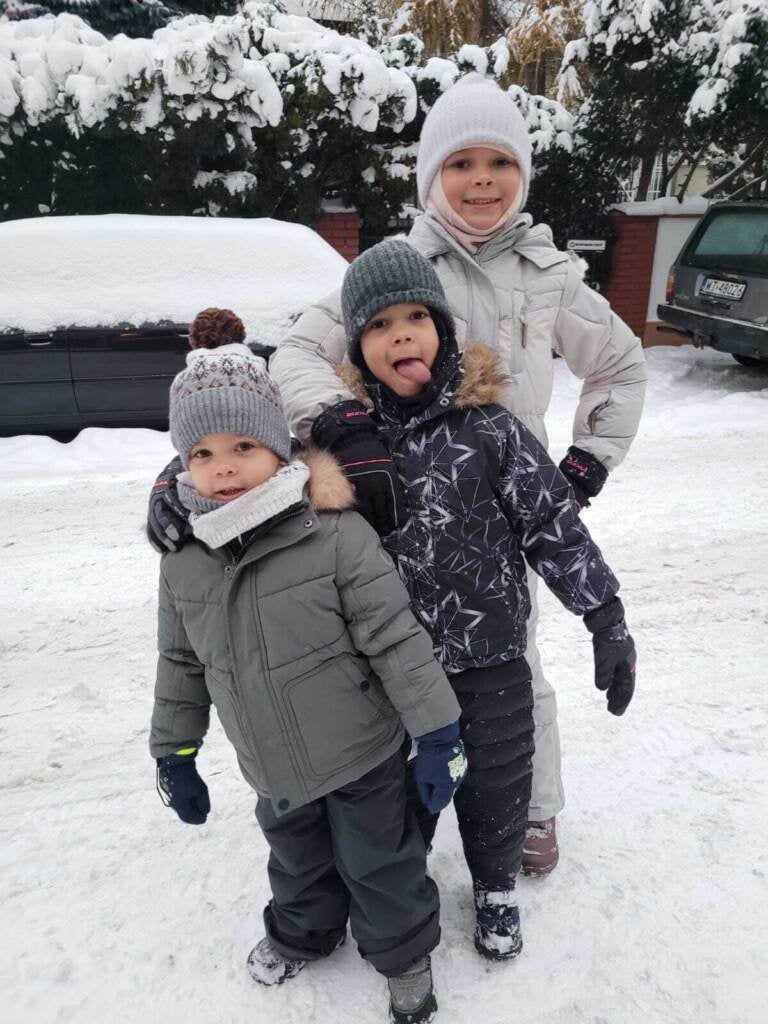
<point>671,284</point>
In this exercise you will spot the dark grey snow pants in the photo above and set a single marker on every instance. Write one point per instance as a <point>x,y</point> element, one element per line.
<point>355,854</point>
<point>492,802</point>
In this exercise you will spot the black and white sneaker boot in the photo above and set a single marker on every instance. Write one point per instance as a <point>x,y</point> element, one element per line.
<point>268,967</point>
<point>411,995</point>
<point>497,923</point>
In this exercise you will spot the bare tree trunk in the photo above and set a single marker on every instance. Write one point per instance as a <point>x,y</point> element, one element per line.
<point>488,26</point>
<point>695,161</point>
<point>646,172</point>
<point>668,173</point>
<point>664,170</point>
<point>730,175</point>
<point>755,184</point>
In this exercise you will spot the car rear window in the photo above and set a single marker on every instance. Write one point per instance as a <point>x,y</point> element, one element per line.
<point>735,240</point>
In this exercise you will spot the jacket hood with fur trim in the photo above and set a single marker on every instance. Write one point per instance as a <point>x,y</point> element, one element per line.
<point>329,490</point>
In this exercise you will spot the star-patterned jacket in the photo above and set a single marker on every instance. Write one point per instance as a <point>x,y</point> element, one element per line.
<point>483,497</point>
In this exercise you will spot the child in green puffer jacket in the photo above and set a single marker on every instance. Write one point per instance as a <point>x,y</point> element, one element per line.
<point>285,613</point>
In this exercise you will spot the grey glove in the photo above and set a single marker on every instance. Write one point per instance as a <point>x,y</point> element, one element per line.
<point>168,526</point>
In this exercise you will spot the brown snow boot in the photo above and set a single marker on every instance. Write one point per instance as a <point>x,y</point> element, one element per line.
<point>540,852</point>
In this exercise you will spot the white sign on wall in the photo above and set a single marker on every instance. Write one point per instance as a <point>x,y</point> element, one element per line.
<point>586,245</point>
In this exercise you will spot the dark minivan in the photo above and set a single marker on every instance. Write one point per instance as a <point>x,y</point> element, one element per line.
<point>717,291</point>
<point>94,309</point>
<point>75,377</point>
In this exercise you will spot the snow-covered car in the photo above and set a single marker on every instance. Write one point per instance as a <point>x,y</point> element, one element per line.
<point>94,310</point>
<point>717,291</point>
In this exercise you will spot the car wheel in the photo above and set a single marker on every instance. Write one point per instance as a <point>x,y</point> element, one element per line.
<point>752,361</point>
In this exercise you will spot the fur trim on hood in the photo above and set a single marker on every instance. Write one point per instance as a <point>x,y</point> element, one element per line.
<point>329,489</point>
<point>483,382</point>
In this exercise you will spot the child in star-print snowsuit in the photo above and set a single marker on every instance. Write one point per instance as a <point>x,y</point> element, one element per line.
<point>482,498</point>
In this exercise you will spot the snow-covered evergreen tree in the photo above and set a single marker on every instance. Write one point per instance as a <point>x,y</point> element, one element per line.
<point>133,17</point>
<point>686,80</point>
<point>253,114</point>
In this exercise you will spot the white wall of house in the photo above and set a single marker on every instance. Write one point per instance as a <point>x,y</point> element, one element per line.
<point>671,234</point>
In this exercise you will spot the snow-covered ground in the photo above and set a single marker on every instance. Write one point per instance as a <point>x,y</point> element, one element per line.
<point>115,911</point>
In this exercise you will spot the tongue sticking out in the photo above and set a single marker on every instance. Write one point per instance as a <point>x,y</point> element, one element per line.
<point>414,370</point>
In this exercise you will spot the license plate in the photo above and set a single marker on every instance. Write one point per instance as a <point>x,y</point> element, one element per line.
<point>722,289</point>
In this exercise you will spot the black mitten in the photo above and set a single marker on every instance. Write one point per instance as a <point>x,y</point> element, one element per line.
<point>181,788</point>
<point>168,526</point>
<point>585,474</point>
<point>615,656</point>
<point>348,431</point>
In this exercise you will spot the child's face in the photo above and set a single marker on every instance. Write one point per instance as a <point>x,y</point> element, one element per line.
<point>399,345</point>
<point>480,184</point>
<point>224,466</point>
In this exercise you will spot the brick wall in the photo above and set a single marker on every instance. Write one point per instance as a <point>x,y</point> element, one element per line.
<point>342,231</point>
<point>632,254</point>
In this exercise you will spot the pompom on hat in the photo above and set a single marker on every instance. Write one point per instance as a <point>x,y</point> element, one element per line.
<point>474,111</point>
<point>225,388</point>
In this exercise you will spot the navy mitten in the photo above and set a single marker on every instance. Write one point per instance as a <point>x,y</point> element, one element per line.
<point>181,788</point>
<point>440,766</point>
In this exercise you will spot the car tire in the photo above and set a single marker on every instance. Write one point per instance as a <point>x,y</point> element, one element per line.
<point>753,362</point>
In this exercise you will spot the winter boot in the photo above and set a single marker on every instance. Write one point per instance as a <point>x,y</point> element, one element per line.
<point>540,853</point>
<point>268,967</point>
<point>411,996</point>
<point>497,923</point>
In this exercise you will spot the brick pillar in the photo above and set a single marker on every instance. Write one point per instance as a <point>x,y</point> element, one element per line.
<point>629,286</point>
<point>341,229</point>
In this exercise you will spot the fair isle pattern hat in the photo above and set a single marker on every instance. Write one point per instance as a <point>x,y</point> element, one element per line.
<point>474,111</point>
<point>388,274</point>
<point>226,390</point>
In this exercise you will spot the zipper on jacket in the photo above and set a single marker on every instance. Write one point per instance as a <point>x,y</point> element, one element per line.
<point>230,571</point>
<point>285,726</point>
<point>240,715</point>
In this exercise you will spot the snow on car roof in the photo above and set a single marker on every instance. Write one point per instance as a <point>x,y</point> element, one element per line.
<point>100,271</point>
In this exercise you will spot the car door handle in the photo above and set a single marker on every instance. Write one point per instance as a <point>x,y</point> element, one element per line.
<point>39,344</point>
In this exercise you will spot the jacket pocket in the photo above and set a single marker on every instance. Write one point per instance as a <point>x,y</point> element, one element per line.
<point>512,333</point>
<point>339,716</point>
<point>595,413</point>
<point>368,683</point>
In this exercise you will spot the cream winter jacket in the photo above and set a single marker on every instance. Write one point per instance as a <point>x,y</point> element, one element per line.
<point>519,295</point>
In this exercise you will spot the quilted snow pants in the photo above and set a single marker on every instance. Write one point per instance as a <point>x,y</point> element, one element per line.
<point>492,803</point>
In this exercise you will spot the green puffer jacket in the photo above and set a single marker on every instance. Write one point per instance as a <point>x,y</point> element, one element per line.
<point>306,645</point>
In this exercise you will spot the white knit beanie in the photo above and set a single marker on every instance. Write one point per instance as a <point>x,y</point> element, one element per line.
<point>474,111</point>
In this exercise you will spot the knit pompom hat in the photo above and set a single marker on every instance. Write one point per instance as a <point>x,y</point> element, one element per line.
<point>225,388</point>
<point>474,111</point>
<point>388,274</point>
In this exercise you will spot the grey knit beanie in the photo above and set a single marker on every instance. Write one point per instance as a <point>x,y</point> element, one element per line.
<point>385,275</point>
<point>474,111</point>
<point>226,390</point>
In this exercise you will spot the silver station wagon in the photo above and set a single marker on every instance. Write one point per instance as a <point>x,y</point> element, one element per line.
<point>717,291</point>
